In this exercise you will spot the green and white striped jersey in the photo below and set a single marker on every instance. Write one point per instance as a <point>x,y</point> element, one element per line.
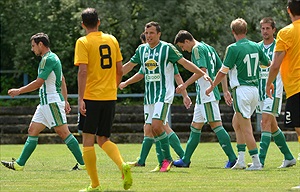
<point>205,56</point>
<point>243,58</point>
<point>264,73</point>
<point>50,70</point>
<point>157,66</point>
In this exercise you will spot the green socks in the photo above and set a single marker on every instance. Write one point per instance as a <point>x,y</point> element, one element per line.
<point>73,146</point>
<point>175,144</point>
<point>192,144</point>
<point>28,149</point>
<point>264,145</point>
<point>280,141</point>
<point>164,141</point>
<point>225,143</point>
<point>146,146</point>
<point>159,154</point>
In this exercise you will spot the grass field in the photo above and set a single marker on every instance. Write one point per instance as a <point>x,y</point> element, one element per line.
<point>48,169</point>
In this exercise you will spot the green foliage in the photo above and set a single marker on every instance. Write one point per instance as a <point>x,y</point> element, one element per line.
<point>48,169</point>
<point>208,21</point>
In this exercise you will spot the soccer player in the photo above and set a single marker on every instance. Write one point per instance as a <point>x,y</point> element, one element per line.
<point>270,108</point>
<point>286,58</point>
<point>148,135</point>
<point>207,107</point>
<point>241,62</point>
<point>99,59</point>
<point>51,112</point>
<point>156,59</point>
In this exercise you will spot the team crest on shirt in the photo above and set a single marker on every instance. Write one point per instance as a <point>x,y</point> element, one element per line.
<point>151,64</point>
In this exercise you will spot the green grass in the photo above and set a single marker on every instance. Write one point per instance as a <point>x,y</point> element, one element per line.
<point>48,169</point>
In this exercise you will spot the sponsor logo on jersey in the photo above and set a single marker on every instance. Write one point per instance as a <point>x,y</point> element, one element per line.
<point>152,77</point>
<point>151,64</point>
<point>263,75</point>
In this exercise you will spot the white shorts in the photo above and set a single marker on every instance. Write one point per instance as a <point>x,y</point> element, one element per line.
<point>207,112</point>
<point>269,106</point>
<point>157,110</point>
<point>245,99</point>
<point>50,115</point>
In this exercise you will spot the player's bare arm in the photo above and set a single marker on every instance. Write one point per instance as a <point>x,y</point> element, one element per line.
<point>127,67</point>
<point>186,99</point>
<point>135,78</point>
<point>181,87</point>
<point>194,69</point>
<point>119,72</point>
<point>34,85</point>
<point>227,95</point>
<point>82,76</point>
<point>64,92</point>
<point>220,76</point>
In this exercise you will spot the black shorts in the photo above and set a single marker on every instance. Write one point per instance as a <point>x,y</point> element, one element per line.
<point>292,111</point>
<point>99,117</point>
<point>81,120</point>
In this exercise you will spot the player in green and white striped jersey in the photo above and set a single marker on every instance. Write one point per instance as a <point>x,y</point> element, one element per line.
<point>207,107</point>
<point>241,63</point>
<point>271,108</point>
<point>156,59</point>
<point>51,112</point>
<point>148,135</point>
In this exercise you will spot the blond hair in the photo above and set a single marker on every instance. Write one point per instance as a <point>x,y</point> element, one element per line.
<point>239,26</point>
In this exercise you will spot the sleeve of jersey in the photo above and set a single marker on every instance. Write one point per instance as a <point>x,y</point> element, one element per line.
<point>218,61</point>
<point>46,68</point>
<point>198,57</point>
<point>119,54</point>
<point>136,57</point>
<point>176,71</point>
<point>141,71</point>
<point>264,59</point>
<point>229,58</point>
<point>174,54</point>
<point>283,40</point>
<point>81,53</point>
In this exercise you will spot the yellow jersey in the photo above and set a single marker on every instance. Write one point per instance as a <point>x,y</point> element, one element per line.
<point>288,40</point>
<point>100,52</point>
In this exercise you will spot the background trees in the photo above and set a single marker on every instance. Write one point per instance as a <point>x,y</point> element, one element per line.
<point>207,20</point>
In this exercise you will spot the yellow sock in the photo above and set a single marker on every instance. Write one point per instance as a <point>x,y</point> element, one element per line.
<point>113,152</point>
<point>89,157</point>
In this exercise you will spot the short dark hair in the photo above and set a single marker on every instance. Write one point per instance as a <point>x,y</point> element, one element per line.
<point>183,35</point>
<point>155,24</point>
<point>268,20</point>
<point>41,37</point>
<point>143,37</point>
<point>294,6</point>
<point>90,17</point>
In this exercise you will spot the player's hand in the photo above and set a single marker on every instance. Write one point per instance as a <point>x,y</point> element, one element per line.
<point>82,108</point>
<point>67,107</point>
<point>228,98</point>
<point>207,78</point>
<point>209,89</point>
<point>187,102</point>
<point>180,88</point>
<point>122,85</point>
<point>13,92</point>
<point>270,90</point>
